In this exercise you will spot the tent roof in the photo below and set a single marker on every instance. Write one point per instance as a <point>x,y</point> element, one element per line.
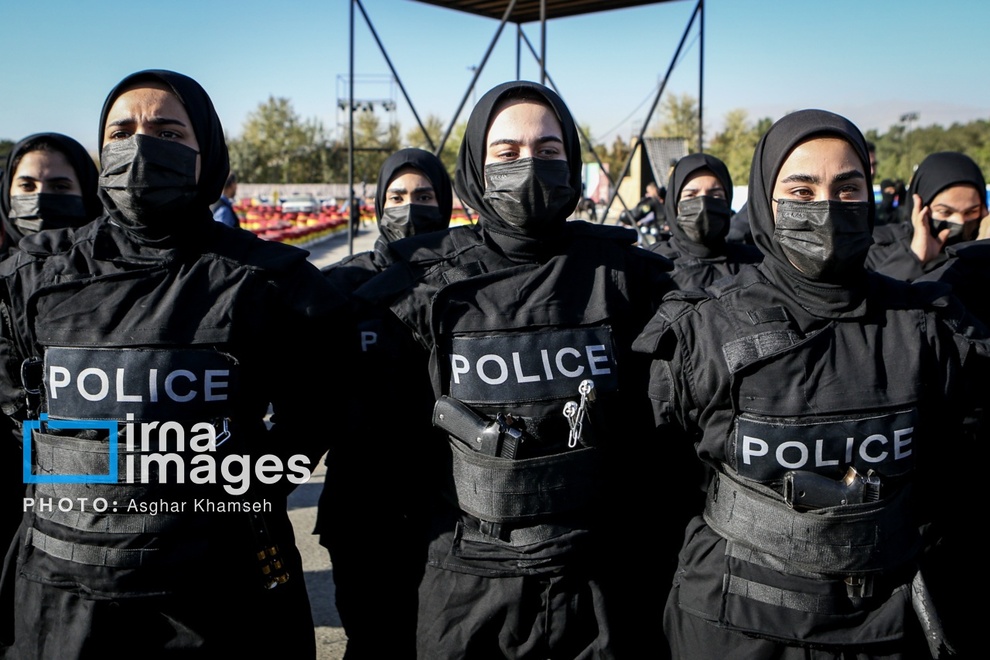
<point>527,11</point>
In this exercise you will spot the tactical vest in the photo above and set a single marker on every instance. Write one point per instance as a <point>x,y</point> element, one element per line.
<point>136,400</point>
<point>815,499</point>
<point>514,346</point>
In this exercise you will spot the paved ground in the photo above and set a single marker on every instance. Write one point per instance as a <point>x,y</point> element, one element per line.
<point>335,248</point>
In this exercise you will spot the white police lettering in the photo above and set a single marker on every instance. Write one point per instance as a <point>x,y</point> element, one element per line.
<point>180,385</point>
<point>569,361</point>
<point>798,454</point>
<point>539,365</point>
<point>902,443</point>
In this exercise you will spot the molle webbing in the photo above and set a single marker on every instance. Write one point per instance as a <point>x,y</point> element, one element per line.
<point>503,490</point>
<point>66,455</point>
<point>94,555</point>
<point>853,539</point>
<point>740,353</point>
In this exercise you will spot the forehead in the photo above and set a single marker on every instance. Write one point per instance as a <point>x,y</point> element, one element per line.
<point>820,155</point>
<point>38,164</point>
<point>702,177</point>
<point>409,177</point>
<point>959,197</point>
<point>148,98</point>
<point>523,118</point>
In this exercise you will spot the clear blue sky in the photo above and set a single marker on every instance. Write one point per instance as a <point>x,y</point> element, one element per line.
<point>871,60</point>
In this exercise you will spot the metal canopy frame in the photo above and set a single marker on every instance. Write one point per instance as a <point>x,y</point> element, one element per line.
<point>520,12</point>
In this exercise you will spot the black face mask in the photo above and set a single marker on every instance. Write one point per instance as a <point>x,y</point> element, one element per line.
<point>704,219</point>
<point>956,229</point>
<point>824,240</point>
<point>32,213</point>
<point>148,178</point>
<point>403,221</point>
<point>529,193</point>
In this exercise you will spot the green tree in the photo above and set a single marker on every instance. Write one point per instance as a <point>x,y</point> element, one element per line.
<point>435,127</point>
<point>5,147</point>
<point>373,143</point>
<point>617,157</point>
<point>278,146</point>
<point>900,151</point>
<point>735,144</point>
<point>678,119</point>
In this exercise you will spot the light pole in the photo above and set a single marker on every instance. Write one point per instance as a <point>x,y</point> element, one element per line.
<point>474,90</point>
<point>909,118</point>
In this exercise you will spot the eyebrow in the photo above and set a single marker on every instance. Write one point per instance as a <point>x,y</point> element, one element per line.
<point>27,177</point>
<point>947,207</point>
<point>405,191</point>
<point>516,143</point>
<point>157,121</point>
<point>848,175</point>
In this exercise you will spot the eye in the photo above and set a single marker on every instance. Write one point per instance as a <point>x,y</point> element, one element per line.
<point>849,191</point>
<point>506,153</point>
<point>548,152</point>
<point>26,186</point>
<point>717,194</point>
<point>425,197</point>
<point>802,193</point>
<point>170,135</point>
<point>119,135</point>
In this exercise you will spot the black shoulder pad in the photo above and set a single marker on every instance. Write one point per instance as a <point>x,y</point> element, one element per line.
<point>424,249</point>
<point>747,276</point>
<point>675,305</point>
<point>622,235</point>
<point>244,247</point>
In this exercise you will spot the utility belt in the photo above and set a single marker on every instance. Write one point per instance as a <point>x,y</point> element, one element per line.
<point>519,500</point>
<point>845,540</point>
<point>841,575</point>
<point>117,511</point>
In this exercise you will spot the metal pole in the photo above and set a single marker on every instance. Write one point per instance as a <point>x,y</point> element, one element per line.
<point>584,136</point>
<point>543,42</point>
<point>701,77</point>
<point>354,213</point>
<point>395,74</point>
<point>474,80</point>
<point>656,101</point>
<point>519,37</point>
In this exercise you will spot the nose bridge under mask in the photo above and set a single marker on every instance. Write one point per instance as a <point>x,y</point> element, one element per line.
<point>704,219</point>
<point>144,161</point>
<point>529,193</point>
<point>824,239</point>
<point>408,220</point>
<point>37,211</point>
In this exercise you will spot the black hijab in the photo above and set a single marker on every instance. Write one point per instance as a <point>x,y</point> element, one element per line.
<point>771,153</point>
<point>469,179</point>
<point>945,169</point>
<point>214,163</point>
<point>682,171</point>
<point>425,162</point>
<point>77,157</point>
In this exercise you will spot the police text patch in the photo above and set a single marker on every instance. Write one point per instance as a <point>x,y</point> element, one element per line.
<point>174,384</point>
<point>766,449</point>
<point>531,366</point>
